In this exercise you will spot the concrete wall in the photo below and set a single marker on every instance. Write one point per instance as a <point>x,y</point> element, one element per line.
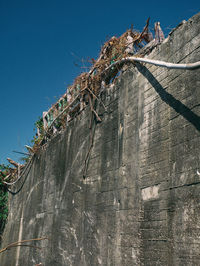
<point>140,201</point>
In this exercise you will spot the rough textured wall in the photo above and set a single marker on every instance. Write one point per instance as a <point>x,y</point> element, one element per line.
<point>140,201</point>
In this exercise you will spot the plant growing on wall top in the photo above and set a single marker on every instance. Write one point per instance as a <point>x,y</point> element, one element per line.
<point>3,197</point>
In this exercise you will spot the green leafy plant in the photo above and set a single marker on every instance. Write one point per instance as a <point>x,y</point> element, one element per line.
<point>36,141</point>
<point>24,159</point>
<point>3,198</point>
<point>39,125</point>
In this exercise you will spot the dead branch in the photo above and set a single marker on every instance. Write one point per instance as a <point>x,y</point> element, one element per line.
<point>92,109</point>
<point>21,243</point>
<point>13,162</point>
<point>15,172</point>
<point>98,99</point>
<point>133,59</point>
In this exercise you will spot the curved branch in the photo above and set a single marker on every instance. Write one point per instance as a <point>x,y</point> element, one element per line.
<point>20,243</point>
<point>132,59</point>
<point>19,176</point>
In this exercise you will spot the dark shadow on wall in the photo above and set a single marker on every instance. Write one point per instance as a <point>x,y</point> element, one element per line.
<point>169,99</point>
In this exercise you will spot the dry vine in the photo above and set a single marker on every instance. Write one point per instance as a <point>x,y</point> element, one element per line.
<point>21,243</point>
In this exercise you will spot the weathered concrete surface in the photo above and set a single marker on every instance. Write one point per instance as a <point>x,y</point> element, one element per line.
<point>140,202</point>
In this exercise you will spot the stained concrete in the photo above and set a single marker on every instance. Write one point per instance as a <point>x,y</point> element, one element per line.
<point>139,203</point>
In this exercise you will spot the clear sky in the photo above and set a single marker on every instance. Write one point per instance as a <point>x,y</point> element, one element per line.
<point>41,46</point>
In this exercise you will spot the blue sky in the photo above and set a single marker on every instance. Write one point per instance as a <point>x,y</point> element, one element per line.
<point>42,42</point>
